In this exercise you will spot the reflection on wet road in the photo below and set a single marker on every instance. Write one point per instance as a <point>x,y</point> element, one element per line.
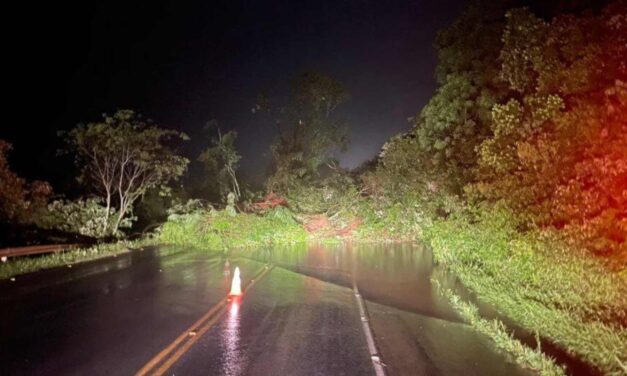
<point>106,317</point>
<point>112,316</point>
<point>415,329</point>
<point>233,358</point>
<point>287,325</point>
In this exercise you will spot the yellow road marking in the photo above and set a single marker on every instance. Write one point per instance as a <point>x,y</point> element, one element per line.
<point>184,342</point>
<point>186,346</point>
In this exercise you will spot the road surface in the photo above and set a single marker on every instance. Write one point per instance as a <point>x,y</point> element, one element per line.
<point>113,316</point>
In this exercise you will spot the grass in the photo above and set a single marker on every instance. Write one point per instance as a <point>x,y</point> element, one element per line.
<point>570,299</point>
<point>22,265</point>
<point>533,359</point>
<point>218,230</point>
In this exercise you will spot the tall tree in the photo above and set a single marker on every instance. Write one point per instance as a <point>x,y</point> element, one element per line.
<point>122,156</point>
<point>457,118</point>
<point>435,159</point>
<point>309,130</point>
<point>221,160</point>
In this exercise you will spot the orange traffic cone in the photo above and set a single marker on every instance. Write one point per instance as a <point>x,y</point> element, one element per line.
<point>236,285</point>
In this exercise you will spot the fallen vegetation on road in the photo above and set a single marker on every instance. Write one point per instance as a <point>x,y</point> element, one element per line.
<point>218,230</point>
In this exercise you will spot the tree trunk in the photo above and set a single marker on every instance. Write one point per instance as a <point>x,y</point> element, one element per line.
<point>235,183</point>
<point>105,227</point>
<point>123,209</point>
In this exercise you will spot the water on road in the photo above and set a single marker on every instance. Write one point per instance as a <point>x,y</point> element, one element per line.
<point>111,317</point>
<point>415,328</point>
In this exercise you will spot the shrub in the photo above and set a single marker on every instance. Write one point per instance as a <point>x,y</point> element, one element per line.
<point>218,230</point>
<point>558,152</point>
<point>87,217</point>
<point>335,194</point>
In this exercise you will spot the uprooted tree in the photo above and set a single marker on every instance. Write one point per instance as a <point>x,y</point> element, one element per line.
<point>121,157</point>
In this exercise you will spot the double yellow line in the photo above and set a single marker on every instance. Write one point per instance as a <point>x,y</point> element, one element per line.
<point>158,365</point>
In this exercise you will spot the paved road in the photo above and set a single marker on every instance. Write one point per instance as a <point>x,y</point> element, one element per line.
<point>111,317</point>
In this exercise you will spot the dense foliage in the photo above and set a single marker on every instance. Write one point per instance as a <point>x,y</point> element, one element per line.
<point>558,151</point>
<point>219,230</point>
<point>530,112</point>
<point>457,118</point>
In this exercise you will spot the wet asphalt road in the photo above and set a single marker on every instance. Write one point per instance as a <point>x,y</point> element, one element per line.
<point>110,317</point>
<point>286,325</point>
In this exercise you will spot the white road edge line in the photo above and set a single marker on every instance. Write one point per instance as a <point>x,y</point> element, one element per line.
<point>377,364</point>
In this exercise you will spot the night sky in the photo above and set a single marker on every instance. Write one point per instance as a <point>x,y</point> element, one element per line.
<point>183,63</point>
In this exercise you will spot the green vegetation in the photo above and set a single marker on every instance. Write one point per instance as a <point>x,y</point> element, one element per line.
<point>557,150</point>
<point>541,128</point>
<point>515,172</point>
<point>121,158</point>
<point>215,230</point>
<point>81,216</point>
<point>541,284</point>
<point>496,330</point>
<point>400,221</point>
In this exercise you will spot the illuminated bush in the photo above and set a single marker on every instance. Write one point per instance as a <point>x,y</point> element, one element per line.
<point>535,119</point>
<point>87,217</point>
<point>558,154</point>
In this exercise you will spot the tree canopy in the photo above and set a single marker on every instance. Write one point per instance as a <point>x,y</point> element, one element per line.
<point>309,131</point>
<point>122,156</point>
<point>530,112</point>
<point>437,156</point>
<point>558,150</point>
<point>221,160</point>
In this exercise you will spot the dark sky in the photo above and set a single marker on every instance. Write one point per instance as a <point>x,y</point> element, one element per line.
<point>182,63</point>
